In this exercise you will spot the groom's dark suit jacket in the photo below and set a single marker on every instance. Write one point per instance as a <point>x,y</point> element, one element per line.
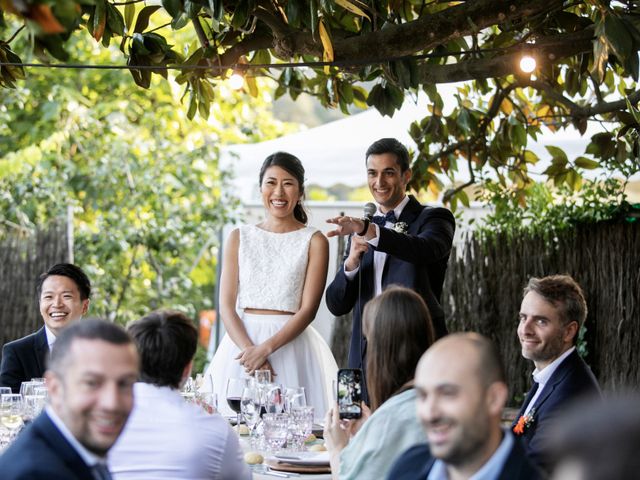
<point>416,259</point>
<point>41,452</point>
<point>572,380</point>
<point>417,462</point>
<point>24,359</point>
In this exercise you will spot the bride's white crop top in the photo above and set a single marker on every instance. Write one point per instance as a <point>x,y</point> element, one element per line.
<point>272,268</point>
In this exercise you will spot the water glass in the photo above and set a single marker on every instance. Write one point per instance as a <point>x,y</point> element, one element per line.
<point>11,411</point>
<point>300,426</point>
<point>276,427</point>
<point>33,405</point>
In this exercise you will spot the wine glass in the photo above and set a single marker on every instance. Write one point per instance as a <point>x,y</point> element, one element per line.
<point>262,376</point>
<point>294,397</point>
<point>11,411</point>
<point>235,387</point>
<point>274,399</point>
<point>250,405</point>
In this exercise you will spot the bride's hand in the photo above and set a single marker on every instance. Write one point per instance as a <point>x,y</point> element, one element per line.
<point>253,357</point>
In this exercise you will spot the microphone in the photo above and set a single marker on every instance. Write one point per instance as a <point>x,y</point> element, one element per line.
<point>369,210</point>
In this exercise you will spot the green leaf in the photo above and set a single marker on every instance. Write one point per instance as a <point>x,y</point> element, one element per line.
<point>115,20</point>
<point>586,163</point>
<point>143,18</point>
<point>558,154</point>
<point>173,7</point>
<point>618,37</point>
<point>129,13</point>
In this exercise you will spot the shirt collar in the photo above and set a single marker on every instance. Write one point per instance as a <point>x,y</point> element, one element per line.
<point>543,376</point>
<point>89,458</point>
<point>51,337</point>
<point>489,471</point>
<point>398,210</point>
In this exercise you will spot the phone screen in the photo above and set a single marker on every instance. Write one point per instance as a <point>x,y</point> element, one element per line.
<point>350,392</point>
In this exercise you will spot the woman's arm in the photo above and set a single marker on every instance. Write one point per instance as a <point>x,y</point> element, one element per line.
<point>315,280</point>
<point>229,293</point>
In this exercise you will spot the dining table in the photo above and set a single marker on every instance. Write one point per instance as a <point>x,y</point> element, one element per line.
<point>263,472</point>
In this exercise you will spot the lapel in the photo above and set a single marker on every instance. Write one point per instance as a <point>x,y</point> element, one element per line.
<point>59,444</point>
<point>41,349</point>
<point>410,212</point>
<point>530,394</point>
<point>558,376</point>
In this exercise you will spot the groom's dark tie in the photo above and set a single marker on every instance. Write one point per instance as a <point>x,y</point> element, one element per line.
<point>381,220</point>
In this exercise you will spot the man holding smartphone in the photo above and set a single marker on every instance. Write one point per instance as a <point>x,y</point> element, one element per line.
<point>406,244</point>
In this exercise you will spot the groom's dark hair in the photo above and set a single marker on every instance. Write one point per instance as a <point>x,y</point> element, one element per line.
<point>390,145</point>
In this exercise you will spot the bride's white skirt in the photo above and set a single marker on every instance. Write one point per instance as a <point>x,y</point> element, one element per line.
<point>306,362</point>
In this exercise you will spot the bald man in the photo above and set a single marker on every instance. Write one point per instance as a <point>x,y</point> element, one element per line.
<point>461,391</point>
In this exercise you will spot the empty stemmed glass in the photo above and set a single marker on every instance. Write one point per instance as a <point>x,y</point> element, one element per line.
<point>251,405</point>
<point>273,399</point>
<point>294,397</point>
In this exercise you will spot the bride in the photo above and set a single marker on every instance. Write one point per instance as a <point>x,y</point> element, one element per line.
<point>273,278</point>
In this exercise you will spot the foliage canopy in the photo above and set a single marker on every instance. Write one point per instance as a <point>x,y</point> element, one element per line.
<point>142,181</point>
<point>374,52</point>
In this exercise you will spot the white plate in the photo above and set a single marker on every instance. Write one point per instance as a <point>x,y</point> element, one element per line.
<point>315,459</point>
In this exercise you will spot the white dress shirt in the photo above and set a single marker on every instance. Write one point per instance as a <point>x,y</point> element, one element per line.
<point>51,338</point>
<point>379,258</point>
<point>166,437</point>
<point>543,376</point>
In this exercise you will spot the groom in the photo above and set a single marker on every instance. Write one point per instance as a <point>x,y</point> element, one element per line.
<point>405,244</point>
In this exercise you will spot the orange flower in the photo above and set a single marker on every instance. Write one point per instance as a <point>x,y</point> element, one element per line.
<point>524,422</point>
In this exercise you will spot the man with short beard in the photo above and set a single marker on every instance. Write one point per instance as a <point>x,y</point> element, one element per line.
<point>461,391</point>
<point>552,311</point>
<point>90,378</point>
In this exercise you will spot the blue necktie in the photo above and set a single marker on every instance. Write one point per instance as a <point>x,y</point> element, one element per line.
<point>390,216</point>
<point>101,472</point>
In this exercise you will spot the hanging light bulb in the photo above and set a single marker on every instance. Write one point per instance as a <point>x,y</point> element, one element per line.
<point>527,63</point>
<point>236,81</point>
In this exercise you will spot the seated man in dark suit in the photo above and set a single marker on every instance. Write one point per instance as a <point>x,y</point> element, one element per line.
<point>461,391</point>
<point>63,294</point>
<point>551,314</point>
<point>90,378</point>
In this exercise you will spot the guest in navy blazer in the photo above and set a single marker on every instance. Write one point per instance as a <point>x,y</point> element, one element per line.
<point>93,367</point>
<point>461,392</point>
<point>63,294</point>
<point>551,314</point>
<point>412,252</point>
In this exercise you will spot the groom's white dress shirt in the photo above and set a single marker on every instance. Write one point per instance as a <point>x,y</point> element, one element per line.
<point>166,437</point>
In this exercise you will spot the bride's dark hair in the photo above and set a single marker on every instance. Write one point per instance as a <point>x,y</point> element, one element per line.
<point>291,164</point>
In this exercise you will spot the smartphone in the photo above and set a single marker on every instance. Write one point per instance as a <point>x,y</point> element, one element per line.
<point>350,392</point>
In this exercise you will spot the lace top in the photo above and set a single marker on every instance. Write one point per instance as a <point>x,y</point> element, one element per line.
<point>272,268</point>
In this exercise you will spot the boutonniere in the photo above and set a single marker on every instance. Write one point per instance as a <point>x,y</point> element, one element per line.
<point>400,227</point>
<point>524,422</point>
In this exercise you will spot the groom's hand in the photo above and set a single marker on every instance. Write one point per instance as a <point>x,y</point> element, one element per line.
<point>345,226</point>
<point>359,247</point>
